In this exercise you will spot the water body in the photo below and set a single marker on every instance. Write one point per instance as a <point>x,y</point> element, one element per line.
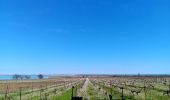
<point>10,77</point>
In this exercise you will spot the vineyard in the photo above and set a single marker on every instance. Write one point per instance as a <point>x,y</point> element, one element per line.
<point>88,88</point>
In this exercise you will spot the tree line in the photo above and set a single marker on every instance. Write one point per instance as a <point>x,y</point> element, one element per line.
<point>21,77</point>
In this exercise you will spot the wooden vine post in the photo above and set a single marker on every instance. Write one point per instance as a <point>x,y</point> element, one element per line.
<point>6,93</point>
<point>40,91</point>
<point>122,93</point>
<point>110,96</point>
<point>72,93</point>
<point>144,89</point>
<point>76,91</point>
<point>31,90</point>
<point>20,94</point>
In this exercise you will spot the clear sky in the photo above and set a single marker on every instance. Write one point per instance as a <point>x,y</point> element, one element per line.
<point>84,36</point>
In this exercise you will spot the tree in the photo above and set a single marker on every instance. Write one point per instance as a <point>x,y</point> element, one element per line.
<point>40,76</point>
<point>16,77</point>
<point>27,77</point>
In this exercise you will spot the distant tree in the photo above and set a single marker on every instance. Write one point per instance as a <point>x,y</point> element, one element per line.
<point>27,77</point>
<point>21,77</point>
<point>40,76</point>
<point>138,74</point>
<point>16,77</point>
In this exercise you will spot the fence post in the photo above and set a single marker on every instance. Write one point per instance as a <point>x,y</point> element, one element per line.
<point>76,91</point>
<point>122,93</point>
<point>6,92</point>
<point>110,96</point>
<point>46,86</point>
<point>20,93</point>
<point>72,92</point>
<point>40,90</point>
<point>145,91</point>
<point>32,90</point>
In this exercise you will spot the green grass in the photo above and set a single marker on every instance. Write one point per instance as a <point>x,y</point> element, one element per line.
<point>66,95</point>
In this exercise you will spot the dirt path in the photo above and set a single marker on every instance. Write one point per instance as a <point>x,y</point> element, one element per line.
<point>89,91</point>
<point>83,91</point>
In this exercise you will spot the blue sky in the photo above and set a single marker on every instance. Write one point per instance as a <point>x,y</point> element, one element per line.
<point>84,36</point>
